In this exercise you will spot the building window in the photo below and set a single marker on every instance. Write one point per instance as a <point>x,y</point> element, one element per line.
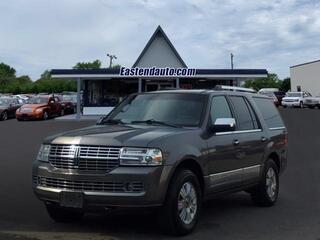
<point>108,93</point>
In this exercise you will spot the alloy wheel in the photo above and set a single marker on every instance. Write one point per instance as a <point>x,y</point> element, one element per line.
<point>271,183</point>
<point>4,116</point>
<point>187,203</point>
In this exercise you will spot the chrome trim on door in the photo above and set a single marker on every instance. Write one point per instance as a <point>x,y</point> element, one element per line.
<point>227,177</point>
<point>251,172</point>
<point>277,128</point>
<point>237,175</point>
<point>241,131</point>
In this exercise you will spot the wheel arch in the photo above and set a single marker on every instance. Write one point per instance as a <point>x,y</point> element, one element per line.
<point>275,157</point>
<point>192,165</point>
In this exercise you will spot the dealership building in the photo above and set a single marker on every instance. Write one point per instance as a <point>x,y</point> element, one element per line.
<point>306,77</point>
<point>159,66</point>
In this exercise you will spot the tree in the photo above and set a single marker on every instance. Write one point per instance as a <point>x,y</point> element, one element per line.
<point>88,65</point>
<point>116,66</point>
<point>271,81</point>
<point>7,71</point>
<point>285,85</point>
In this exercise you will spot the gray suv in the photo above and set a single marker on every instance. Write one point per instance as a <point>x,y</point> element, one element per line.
<point>170,150</point>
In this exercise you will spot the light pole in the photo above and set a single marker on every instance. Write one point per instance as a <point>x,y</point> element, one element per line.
<point>111,58</point>
<point>231,56</point>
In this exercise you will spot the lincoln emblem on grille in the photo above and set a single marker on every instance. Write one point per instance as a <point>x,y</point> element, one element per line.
<point>76,156</point>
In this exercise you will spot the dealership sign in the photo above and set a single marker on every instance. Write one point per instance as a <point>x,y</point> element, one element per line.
<point>154,72</point>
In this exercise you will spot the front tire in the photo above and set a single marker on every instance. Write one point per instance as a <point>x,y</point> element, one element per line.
<point>4,116</point>
<point>180,213</point>
<point>45,115</point>
<point>301,105</point>
<point>266,193</point>
<point>61,214</point>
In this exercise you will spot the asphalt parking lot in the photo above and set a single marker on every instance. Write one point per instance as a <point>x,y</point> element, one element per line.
<point>296,215</point>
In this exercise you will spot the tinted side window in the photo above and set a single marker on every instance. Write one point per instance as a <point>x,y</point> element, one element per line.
<point>269,112</point>
<point>219,108</point>
<point>246,119</point>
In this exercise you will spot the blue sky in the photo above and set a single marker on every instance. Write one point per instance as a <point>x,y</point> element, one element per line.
<point>43,34</point>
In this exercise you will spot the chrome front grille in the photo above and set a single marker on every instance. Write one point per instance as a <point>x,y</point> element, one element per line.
<point>85,158</point>
<point>95,186</point>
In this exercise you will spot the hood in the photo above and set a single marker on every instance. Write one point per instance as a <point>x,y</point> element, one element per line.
<point>114,135</point>
<point>33,106</point>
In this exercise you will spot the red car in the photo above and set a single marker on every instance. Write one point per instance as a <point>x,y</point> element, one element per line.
<point>40,107</point>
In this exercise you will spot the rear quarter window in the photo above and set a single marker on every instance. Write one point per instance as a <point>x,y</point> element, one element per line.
<point>269,112</point>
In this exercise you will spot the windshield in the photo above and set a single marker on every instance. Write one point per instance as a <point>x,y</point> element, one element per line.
<point>69,98</point>
<point>294,94</point>
<point>37,100</point>
<point>4,101</point>
<point>175,109</point>
<point>269,94</point>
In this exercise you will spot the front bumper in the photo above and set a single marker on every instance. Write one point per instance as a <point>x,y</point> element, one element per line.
<point>148,186</point>
<point>29,116</point>
<point>290,104</point>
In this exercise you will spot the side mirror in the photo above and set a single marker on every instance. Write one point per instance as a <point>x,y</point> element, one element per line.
<point>223,125</point>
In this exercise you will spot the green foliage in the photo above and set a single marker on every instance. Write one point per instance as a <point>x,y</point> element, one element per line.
<point>88,65</point>
<point>285,85</point>
<point>7,71</point>
<point>116,66</point>
<point>272,81</point>
<point>24,84</point>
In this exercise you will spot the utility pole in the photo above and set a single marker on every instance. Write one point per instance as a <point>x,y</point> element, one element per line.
<point>231,56</point>
<point>111,58</point>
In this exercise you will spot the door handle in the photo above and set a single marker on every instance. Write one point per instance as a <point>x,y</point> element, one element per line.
<point>263,139</point>
<point>236,142</point>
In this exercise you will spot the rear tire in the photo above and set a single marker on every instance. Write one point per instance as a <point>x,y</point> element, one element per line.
<point>266,193</point>
<point>61,214</point>
<point>180,213</point>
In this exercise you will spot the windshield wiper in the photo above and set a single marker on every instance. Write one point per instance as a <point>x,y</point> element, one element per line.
<point>152,121</point>
<point>111,121</point>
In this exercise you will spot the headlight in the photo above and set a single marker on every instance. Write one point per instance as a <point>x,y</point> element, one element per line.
<point>140,156</point>
<point>43,154</point>
<point>39,110</point>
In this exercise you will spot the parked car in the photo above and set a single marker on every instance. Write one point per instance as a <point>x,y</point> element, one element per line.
<point>295,99</point>
<point>312,102</point>
<point>69,103</point>
<point>280,95</point>
<point>21,98</point>
<point>273,97</point>
<point>268,90</point>
<point>8,107</point>
<point>40,107</point>
<point>167,149</point>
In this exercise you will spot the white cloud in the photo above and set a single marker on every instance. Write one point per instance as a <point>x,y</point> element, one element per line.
<point>273,34</point>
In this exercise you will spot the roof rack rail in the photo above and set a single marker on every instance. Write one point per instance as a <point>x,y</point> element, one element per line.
<point>232,88</point>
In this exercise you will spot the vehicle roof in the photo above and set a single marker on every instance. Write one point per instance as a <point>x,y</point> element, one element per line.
<point>206,92</point>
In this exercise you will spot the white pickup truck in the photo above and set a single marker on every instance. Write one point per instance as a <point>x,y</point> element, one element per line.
<point>312,102</point>
<point>295,99</point>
